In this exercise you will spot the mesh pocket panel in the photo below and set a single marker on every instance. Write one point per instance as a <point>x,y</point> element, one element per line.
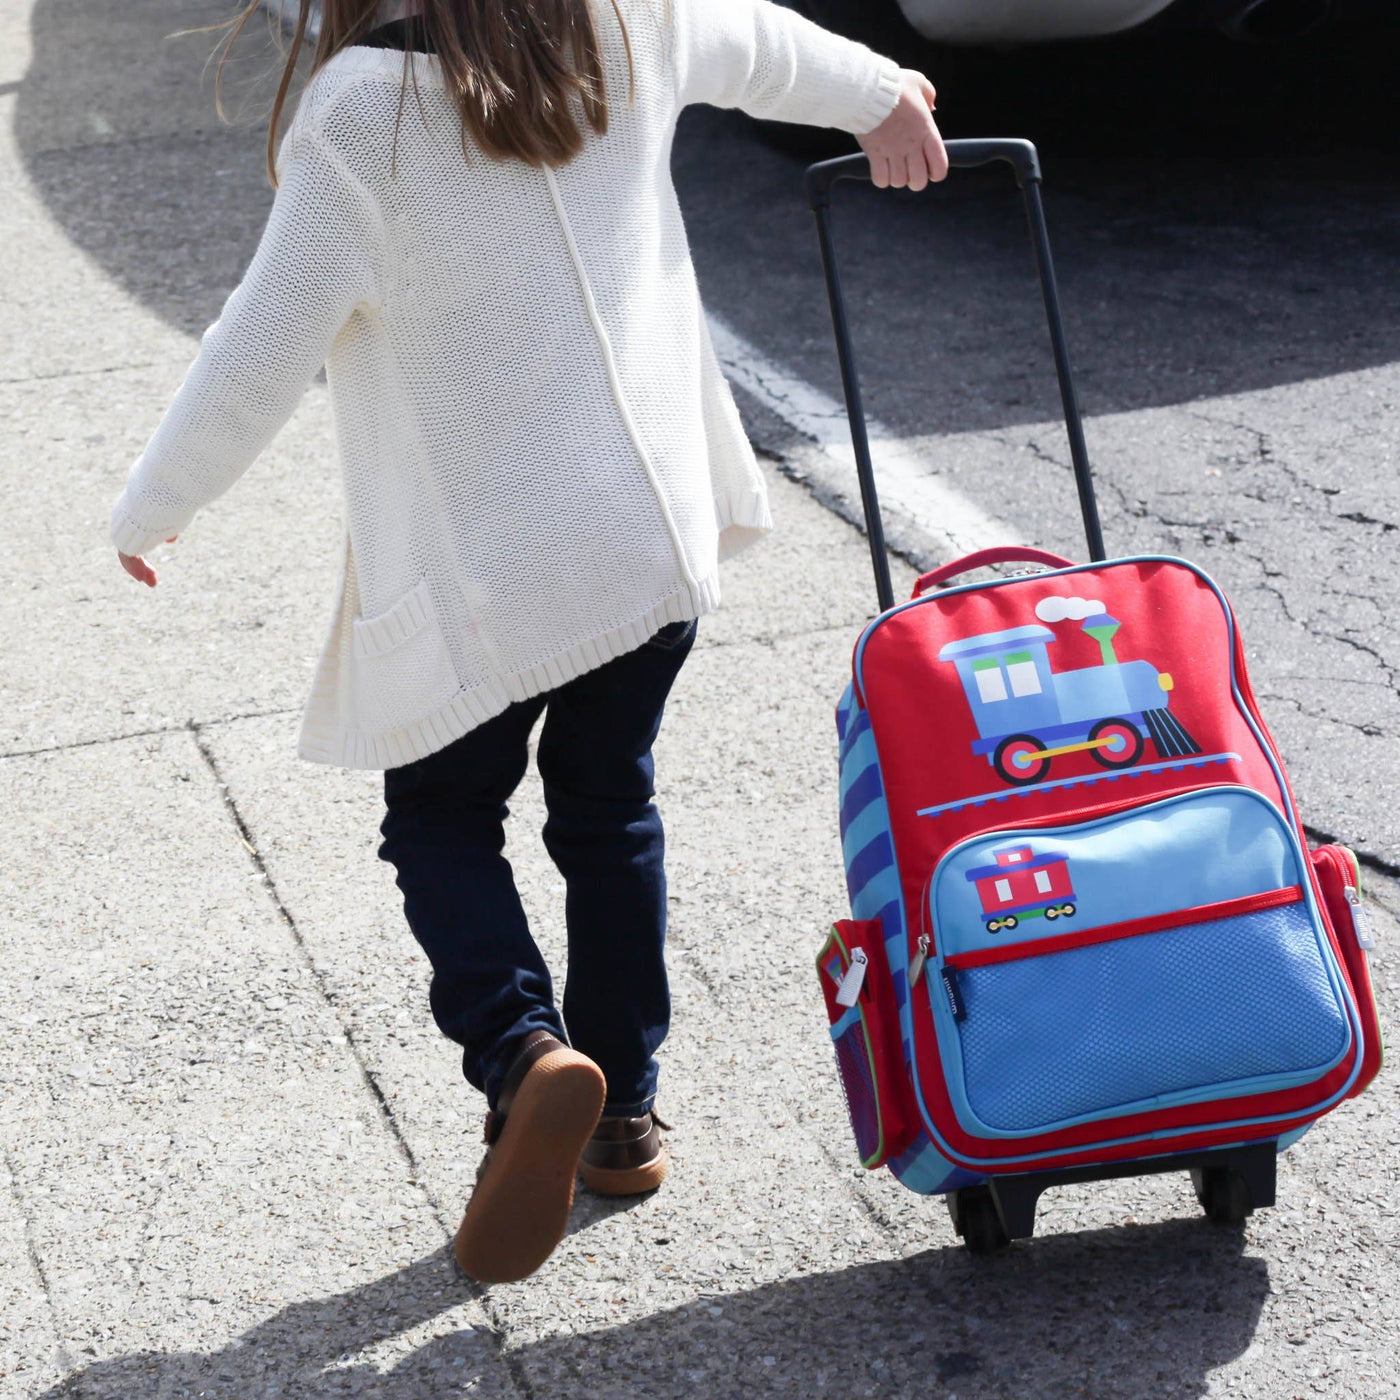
<point>858,1084</point>
<point>1189,1009</point>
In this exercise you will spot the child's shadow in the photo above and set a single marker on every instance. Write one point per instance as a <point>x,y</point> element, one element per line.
<point>1131,1312</point>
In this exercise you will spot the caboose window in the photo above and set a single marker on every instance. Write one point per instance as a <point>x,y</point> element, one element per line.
<point>1003,889</point>
<point>991,685</point>
<point>1020,669</point>
<point>1042,881</point>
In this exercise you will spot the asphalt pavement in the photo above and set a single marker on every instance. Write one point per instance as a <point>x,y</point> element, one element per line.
<point>235,1147</point>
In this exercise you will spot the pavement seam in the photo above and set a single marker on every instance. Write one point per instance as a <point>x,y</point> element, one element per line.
<point>839,1161</point>
<point>175,728</point>
<point>495,1322</point>
<point>37,1264</point>
<point>77,373</point>
<point>199,136</point>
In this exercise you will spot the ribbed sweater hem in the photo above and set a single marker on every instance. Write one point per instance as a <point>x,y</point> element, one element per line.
<point>881,102</point>
<point>472,706</point>
<point>132,538</point>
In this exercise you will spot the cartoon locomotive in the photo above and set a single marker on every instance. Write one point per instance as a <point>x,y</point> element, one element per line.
<point>1028,714</point>
<point>1023,885</point>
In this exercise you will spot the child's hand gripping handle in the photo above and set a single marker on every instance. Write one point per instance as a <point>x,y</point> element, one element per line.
<point>962,155</point>
<point>1022,158</point>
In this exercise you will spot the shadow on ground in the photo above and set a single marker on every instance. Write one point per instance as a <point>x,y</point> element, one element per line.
<point>1158,1307</point>
<point>1181,277</point>
<point>1197,272</point>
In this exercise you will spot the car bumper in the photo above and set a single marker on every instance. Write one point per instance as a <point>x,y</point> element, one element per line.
<point>1022,21</point>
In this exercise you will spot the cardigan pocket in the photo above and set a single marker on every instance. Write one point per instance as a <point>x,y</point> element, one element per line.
<point>402,669</point>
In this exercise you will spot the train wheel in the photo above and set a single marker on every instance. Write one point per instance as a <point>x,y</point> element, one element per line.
<point>1124,746</point>
<point>1009,921</point>
<point>1015,762</point>
<point>1053,912</point>
<point>1067,910</point>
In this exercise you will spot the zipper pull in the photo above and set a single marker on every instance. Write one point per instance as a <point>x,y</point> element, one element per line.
<point>848,993</point>
<point>955,996</point>
<point>1360,919</point>
<point>916,968</point>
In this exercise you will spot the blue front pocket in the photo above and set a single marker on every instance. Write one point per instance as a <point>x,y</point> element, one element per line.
<point>1157,956</point>
<point>1181,1014</point>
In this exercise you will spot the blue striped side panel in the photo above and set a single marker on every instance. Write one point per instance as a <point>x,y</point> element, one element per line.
<point>857,728</point>
<point>843,711</point>
<point>923,1168</point>
<point>865,788</point>
<point>872,878</point>
<point>873,864</point>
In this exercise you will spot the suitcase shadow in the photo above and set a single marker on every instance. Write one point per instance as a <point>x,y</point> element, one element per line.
<point>1133,1311</point>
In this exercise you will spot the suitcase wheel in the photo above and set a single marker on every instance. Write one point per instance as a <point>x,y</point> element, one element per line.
<point>976,1219</point>
<point>1224,1195</point>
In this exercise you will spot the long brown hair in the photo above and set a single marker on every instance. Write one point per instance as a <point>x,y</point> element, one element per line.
<point>514,68</point>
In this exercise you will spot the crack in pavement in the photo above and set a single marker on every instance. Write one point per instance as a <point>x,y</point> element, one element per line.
<point>1368,731</point>
<point>77,373</point>
<point>1320,633</point>
<point>174,727</point>
<point>495,1322</point>
<point>839,1160</point>
<point>1266,457</point>
<point>35,1261</point>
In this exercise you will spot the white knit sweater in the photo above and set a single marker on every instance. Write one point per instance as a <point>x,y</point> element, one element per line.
<point>542,461</point>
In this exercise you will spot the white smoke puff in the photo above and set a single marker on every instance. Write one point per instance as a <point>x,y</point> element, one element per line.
<point>1075,609</point>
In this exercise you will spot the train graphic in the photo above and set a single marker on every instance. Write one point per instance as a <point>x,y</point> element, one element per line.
<point>1028,714</point>
<point>1023,885</point>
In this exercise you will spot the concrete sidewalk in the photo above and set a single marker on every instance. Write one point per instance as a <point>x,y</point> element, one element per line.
<point>234,1145</point>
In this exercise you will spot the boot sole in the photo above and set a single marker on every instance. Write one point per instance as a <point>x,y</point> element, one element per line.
<point>626,1181</point>
<point>520,1208</point>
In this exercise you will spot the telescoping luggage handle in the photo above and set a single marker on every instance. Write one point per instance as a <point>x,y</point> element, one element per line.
<point>1022,157</point>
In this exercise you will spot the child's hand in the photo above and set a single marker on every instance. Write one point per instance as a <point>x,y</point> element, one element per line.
<point>906,149</point>
<point>137,567</point>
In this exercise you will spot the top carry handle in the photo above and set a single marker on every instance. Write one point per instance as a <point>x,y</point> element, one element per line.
<point>1022,158</point>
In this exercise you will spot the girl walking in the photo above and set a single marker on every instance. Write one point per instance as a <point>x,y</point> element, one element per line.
<point>475,230</point>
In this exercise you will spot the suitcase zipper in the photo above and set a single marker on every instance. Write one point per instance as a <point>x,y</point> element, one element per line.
<point>1360,918</point>
<point>916,968</point>
<point>848,992</point>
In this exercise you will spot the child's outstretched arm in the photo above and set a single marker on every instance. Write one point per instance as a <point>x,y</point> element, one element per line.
<point>774,63</point>
<point>320,257</point>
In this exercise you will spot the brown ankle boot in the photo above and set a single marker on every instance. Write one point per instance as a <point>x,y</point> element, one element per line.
<point>625,1156</point>
<point>548,1105</point>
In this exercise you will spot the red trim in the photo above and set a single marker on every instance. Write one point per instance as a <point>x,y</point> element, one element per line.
<point>1129,928</point>
<point>1159,1146</point>
<point>981,558</point>
<point>1335,867</point>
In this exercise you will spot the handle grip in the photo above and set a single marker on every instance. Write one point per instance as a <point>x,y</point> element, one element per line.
<point>979,559</point>
<point>1019,154</point>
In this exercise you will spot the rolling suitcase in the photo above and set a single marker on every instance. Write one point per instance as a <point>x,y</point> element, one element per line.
<point>1088,937</point>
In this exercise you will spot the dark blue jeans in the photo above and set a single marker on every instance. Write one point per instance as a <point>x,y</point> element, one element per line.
<point>444,833</point>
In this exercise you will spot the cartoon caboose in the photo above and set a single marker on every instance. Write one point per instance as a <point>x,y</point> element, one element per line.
<point>1023,885</point>
<point>1028,714</point>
